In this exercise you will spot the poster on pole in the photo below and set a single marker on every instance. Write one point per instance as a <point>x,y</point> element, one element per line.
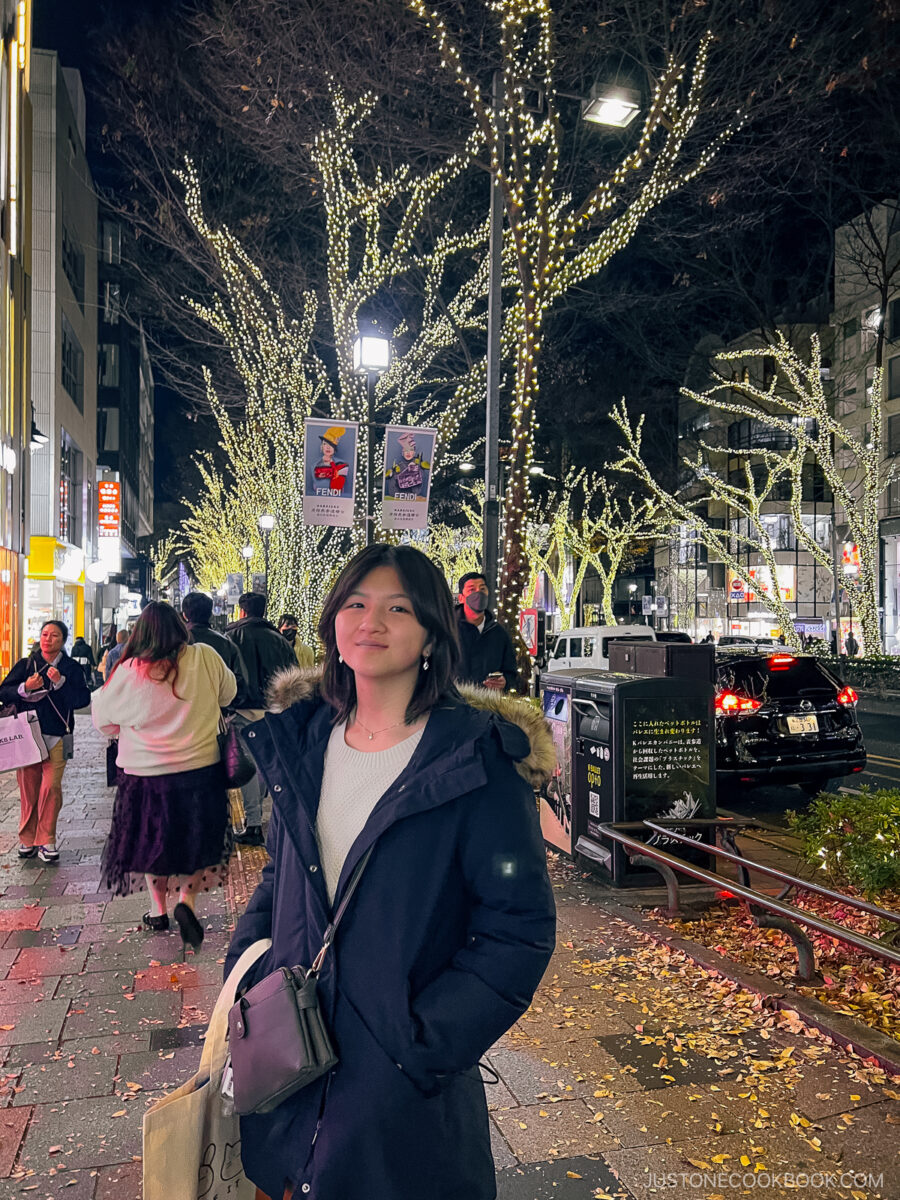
<point>258,583</point>
<point>329,472</point>
<point>234,586</point>
<point>408,455</point>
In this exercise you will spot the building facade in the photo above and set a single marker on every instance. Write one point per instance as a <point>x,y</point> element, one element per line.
<point>63,505</point>
<point>16,421</point>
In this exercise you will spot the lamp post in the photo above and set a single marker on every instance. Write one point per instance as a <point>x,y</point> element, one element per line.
<point>371,356</point>
<point>266,524</point>
<point>246,555</point>
<point>607,105</point>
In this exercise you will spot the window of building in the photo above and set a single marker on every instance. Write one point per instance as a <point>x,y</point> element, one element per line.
<point>72,364</point>
<point>894,320</point>
<point>849,330</point>
<point>893,497</point>
<point>111,242</point>
<point>111,302</point>
<point>814,485</point>
<point>768,370</point>
<point>70,499</point>
<point>779,528</point>
<point>893,378</point>
<point>870,379</point>
<point>893,435</point>
<point>107,430</point>
<point>73,265</point>
<point>871,323</point>
<point>108,365</point>
<point>818,528</point>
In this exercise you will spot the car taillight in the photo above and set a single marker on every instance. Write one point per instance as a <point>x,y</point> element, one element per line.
<point>847,696</point>
<point>781,662</point>
<point>730,703</point>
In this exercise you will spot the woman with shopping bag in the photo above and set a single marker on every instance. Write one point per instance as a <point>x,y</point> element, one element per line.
<point>52,685</point>
<point>405,815</point>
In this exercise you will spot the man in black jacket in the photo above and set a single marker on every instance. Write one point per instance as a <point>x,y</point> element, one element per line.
<point>51,684</point>
<point>264,651</point>
<point>196,608</point>
<point>488,658</point>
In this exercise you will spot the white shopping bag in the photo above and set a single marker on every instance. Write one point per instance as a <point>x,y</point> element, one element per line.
<point>192,1149</point>
<point>21,743</point>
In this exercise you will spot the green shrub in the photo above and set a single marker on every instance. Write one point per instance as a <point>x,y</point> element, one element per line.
<point>876,675</point>
<point>856,839</point>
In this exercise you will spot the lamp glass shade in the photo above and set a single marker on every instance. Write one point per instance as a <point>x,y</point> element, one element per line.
<point>614,107</point>
<point>37,438</point>
<point>266,521</point>
<point>247,552</point>
<point>467,467</point>
<point>371,353</point>
<point>97,572</point>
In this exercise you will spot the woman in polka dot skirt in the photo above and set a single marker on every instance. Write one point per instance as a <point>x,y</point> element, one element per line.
<point>170,827</point>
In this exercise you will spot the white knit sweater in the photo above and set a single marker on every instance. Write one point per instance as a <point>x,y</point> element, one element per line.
<point>160,732</point>
<point>352,784</point>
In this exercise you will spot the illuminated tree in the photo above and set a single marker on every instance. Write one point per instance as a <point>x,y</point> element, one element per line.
<point>161,554</point>
<point>457,549</point>
<point>853,460</point>
<point>762,474</point>
<point>560,241</point>
<point>623,523</point>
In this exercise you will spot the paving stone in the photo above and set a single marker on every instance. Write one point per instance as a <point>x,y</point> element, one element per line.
<point>643,1118</point>
<point>73,1185</point>
<point>135,950</point>
<point>13,1122</point>
<point>112,1014</point>
<point>94,983</point>
<point>7,958</point>
<point>497,1095</point>
<point>20,918</point>
<point>657,1172</point>
<point>106,933</point>
<point>153,1071</point>
<point>91,1136</point>
<point>172,1039</point>
<point>123,1182</point>
<point>503,1156</point>
<point>26,938</point>
<point>567,1129</point>
<point>656,1067</point>
<point>530,1077</point>
<point>565,1179</point>
<point>67,914</point>
<point>587,1059</point>
<point>32,1022</point>
<point>40,960</point>
<point>28,991</point>
<point>869,1142</point>
<point>120,1043</point>
<point>44,1083</point>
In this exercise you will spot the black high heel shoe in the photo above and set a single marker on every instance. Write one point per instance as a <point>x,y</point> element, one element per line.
<point>190,928</point>
<point>160,923</point>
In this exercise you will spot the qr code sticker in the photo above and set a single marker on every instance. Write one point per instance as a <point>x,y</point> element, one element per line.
<point>594,803</point>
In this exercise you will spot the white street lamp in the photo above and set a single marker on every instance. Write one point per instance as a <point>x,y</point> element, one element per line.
<point>615,107</point>
<point>371,356</point>
<point>247,552</point>
<point>266,522</point>
<point>97,572</point>
<point>467,467</point>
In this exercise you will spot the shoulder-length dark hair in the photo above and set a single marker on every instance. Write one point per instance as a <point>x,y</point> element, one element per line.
<point>159,636</point>
<point>433,609</point>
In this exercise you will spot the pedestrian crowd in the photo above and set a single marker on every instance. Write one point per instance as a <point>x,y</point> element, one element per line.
<point>402,786</point>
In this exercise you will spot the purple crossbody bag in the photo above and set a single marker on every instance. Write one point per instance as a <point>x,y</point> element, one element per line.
<point>278,1038</point>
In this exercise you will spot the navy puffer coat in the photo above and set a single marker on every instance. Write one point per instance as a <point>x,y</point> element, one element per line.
<point>440,950</point>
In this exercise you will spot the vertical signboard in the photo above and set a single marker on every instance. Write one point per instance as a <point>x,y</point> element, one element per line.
<point>408,455</point>
<point>109,524</point>
<point>329,472</point>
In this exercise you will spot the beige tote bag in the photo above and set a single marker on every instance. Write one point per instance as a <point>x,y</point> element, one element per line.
<point>192,1150</point>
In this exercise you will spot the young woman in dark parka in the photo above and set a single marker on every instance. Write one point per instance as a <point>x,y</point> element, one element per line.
<point>453,922</point>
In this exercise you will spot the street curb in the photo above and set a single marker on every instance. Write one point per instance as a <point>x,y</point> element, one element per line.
<point>878,707</point>
<point>852,1035</point>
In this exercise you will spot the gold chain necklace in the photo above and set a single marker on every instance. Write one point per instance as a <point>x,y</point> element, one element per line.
<point>374,732</point>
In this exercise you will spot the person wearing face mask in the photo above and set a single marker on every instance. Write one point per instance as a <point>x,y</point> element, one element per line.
<point>487,655</point>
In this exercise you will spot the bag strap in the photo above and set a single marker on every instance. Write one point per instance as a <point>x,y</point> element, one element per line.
<point>342,908</point>
<point>213,1055</point>
<point>65,720</point>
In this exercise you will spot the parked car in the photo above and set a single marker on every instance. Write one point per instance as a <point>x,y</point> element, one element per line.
<point>784,718</point>
<point>674,635</point>
<point>744,639</point>
<point>588,647</point>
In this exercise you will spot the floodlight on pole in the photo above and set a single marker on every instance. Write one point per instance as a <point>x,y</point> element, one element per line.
<point>38,438</point>
<point>266,522</point>
<point>615,107</point>
<point>372,356</point>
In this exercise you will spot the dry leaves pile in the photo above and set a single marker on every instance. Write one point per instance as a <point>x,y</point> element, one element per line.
<point>854,984</point>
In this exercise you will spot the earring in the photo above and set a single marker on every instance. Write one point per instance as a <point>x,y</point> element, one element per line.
<point>340,658</point>
<point>424,662</point>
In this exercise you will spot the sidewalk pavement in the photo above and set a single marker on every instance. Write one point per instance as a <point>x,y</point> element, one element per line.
<point>634,1074</point>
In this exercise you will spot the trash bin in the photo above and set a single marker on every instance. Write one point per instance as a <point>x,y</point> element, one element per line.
<point>637,748</point>
<point>631,657</point>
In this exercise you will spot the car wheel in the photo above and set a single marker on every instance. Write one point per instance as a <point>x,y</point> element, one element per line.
<point>826,784</point>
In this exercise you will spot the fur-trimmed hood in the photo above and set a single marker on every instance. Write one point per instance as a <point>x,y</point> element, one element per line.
<point>293,685</point>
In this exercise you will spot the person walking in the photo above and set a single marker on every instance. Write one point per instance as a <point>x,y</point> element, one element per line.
<point>84,656</point>
<point>289,628</point>
<point>487,655</point>
<point>264,652</point>
<point>49,682</point>
<point>170,831</point>
<point>113,654</point>
<point>851,645</point>
<point>196,608</point>
<point>452,924</point>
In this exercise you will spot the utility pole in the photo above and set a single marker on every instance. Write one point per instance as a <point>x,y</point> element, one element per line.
<point>491,525</point>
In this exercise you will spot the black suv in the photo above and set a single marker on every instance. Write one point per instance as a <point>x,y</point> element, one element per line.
<point>784,718</point>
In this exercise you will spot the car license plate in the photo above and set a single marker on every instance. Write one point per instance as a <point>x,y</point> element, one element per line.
<point>803,724</point>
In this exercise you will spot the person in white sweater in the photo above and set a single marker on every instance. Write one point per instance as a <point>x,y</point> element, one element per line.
<point>170,829</point>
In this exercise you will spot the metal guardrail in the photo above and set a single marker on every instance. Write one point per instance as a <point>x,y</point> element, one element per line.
<point>775,913</point>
